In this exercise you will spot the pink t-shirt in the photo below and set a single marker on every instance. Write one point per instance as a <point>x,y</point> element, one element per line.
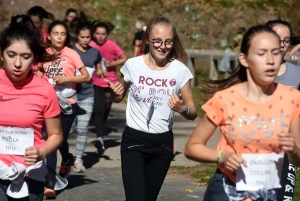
<point>44,34</point>
<point>109,51</point>
<point>66,65</point>
<point>26,105</point>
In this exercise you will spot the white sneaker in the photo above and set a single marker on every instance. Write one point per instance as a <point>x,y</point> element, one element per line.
<point>78,165</point>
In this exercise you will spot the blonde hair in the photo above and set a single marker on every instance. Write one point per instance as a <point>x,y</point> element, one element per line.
<point>177,51</point>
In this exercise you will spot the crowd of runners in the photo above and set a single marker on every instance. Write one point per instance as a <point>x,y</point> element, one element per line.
<point>51,73</point>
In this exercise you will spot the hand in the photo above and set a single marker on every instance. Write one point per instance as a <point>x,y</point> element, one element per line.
<point>116,89</point>
<point>287,142</point>
<point>107,63</point>
<point>175,103</point>
<point>104,73</point>
<point>100,73</point>
<point>60,79</point>
<point>32,155</point>
<point>232,161</point>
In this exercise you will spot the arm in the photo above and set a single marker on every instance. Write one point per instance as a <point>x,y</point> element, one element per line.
<point>178,105</point>
<point>137,45</point>
<point>53,126</point>
<point>84,77</point>
<point>118,90</point>
<point>33,155</point>
<point>196,149</point>
<point>293,50</point>
<point>188,100</point>
<point>120,61</point>
<point>99,71</point>
<point>290,143</point>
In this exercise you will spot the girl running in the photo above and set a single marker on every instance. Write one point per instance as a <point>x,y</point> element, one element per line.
<point>37,15</point>
<point>61,73</point>
<point>27,102</point>
<point>112,56</point>
<point>258,119</point>
<point>155,79</point>
<point>91,59</point>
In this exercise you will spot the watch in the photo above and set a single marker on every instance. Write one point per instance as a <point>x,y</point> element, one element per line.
<point>186,110</point>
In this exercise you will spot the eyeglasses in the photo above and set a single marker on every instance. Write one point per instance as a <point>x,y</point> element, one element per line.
<point>285,42</point>
<point>157,43</point>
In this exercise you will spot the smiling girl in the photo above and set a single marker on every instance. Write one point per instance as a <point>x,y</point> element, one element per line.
<point>155,81</point>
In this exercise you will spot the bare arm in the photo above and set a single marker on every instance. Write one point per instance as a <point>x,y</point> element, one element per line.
<point>99,71</point>
<point>188,100</point>
<point>120,61</point>
<point>84,77</point>
<point>196,149</point>
<point>53,126</point>
<point>33,154</point>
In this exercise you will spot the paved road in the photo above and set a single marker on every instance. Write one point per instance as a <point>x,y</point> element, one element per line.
<point>103,180</point>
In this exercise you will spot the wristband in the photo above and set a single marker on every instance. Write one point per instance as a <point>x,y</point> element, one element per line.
<point>186,110</point>
<point>220,156</point>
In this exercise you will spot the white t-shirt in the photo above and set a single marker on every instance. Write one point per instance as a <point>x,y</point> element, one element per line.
<point>145,86</point>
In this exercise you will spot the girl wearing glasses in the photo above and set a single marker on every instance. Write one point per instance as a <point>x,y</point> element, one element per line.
<point>155,81</point>
<point>112,56</point>
<point>288,74</point>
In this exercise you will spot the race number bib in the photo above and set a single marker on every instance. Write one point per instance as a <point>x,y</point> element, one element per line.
<point>15,140</point>
<point>263,171</point>
<point>161,107</point>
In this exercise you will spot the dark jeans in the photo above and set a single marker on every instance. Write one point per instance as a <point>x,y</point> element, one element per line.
<point>215,189</point>
<point>145,161</point>
<point>36,191</point>
<point>102,103</point>
<point>66,124</point>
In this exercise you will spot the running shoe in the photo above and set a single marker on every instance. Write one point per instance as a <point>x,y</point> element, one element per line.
<point>99,144</point>
<point>78,165</point>
<point>49,193</point>
<point>65,168</point>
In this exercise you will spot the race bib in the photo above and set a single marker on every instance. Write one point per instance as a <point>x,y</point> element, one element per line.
<point>161,107</point>
<point>263,172</point>
<point>15,140</point>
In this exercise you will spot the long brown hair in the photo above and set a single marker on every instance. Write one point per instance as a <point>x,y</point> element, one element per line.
<point>177,51</point>
<point>240,74</point>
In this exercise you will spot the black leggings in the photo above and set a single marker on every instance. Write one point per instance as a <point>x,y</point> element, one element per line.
<point>145,161</point>
<point>66,124</point>
<point>35,188</point>
<point>102,104</point>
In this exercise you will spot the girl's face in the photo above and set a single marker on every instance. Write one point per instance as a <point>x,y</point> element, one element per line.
<point>18,59</point>
<point>58,37</point>
<point>37,21</point>
<point>84,38</point>
<point>160,41</point>
<point>263,59</point>
<point>100,35</point>
<point>70,17</point>
<point>285,37</point>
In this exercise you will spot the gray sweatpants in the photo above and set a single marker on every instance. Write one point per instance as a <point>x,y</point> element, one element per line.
<point>82,124</point>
